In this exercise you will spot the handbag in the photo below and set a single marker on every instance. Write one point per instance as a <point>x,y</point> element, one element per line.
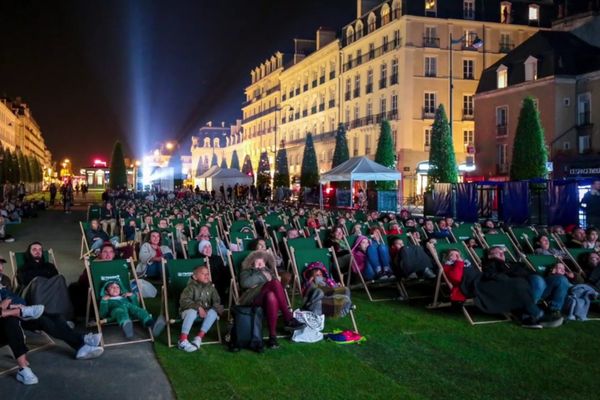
<point>314,325</point>
<point>246,332</point>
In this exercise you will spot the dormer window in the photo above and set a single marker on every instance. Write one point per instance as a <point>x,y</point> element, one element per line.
<point>430,8</point>
<point>534,13</point>
<point>502,76</point>
<point>505,10</point>
<point>349,35</point>
<point>531,68</point>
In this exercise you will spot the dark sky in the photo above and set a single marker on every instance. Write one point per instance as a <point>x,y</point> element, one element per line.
<point>94,71</point>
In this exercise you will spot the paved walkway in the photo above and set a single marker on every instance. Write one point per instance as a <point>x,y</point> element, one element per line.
<point>130,371</point>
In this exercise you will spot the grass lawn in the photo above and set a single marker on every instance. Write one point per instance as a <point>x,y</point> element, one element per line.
<point>411,353</point>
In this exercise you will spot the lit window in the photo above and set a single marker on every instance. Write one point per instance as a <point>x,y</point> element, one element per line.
<point>531,68</point>
<point>534,12</point>
<point>427,139</point>
<point>502,76</point>
<point>430,6</point>
<point>505,10</point>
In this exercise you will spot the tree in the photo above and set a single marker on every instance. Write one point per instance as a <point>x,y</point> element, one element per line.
<point>385,154</point>
<point>34,168</point>
<point>341,153</point>
<point>23,173</point>
<point>263,172</point>
<point>235,162</point>
<point>14,163</point>
<point>118,171</point>
<point>442,161</point>
<point>282,173</point>
<point>247,167</point>
<point>2,166</point>
<point>529,156</point>
<point>309,173</point>
<point>223,163</point>
<point>214,161</point>
<point>27,167</point>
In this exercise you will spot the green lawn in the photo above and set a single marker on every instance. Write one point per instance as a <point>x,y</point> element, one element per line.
<point>411,352</point>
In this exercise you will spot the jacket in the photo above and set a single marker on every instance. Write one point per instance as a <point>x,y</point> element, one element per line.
<point>147,253</point>
<point>197,294</point>
<point>106,306</point>
<point>579,300</point>
<point>455,272</point>
<point>253,279</point>
<point>503,287</point>
<point>359,256</point>
<point>33,269</point>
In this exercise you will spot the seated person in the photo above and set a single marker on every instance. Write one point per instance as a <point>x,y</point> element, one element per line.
<point>340,247</point>
<point>591,239</point>
<point>431,233</point>
<point>199,299</point>
<point>576,239</point>
<point>357,229</point>
<point>261,288</point>
<point>322,295</point>
<point>220,274</point>
<point>96,236</point>
<point>512,287</point>
<point>394,229</point>
<point>35,265</point>
<point>372,259</point>
<point>152,253</point>
<point>204,234</point>
<point>543,247</point>
<point>454,267</point>
<point>489,227</point>
<point>108,218</point>
<point>130,231</point>
<point>122,306</point>
<point>591,266</point>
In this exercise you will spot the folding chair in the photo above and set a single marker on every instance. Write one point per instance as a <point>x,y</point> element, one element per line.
<point>540,263</point>
<point>502,239</point>
<point>523,237</point>
<point>175,276</point>
<point>301,259</point>
<point>463,232</point>
<point>436,252</point>
<point>99,272</point>
<point>85,246</point>
<point>575,255</point>
<point>17,260</point>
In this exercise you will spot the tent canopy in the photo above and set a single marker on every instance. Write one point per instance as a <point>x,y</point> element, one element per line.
<point>360,169</point>
<point>209,172</point>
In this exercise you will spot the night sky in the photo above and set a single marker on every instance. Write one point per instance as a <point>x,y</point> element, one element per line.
<point>143,71</point>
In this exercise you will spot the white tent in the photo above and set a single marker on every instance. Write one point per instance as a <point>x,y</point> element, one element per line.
<point>201,181</point>
<point>227,177</point>
<point>359,169</point>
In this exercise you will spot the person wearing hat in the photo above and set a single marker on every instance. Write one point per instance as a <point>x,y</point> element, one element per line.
<point>322,294</point>
<point>220,275</point>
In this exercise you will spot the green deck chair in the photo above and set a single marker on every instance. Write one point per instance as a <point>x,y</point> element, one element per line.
<point>540,263</point>
<point>502,239</point>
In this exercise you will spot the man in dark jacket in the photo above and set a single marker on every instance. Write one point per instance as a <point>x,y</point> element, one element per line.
<point>591,204</point>
<point>35,265</point>
<point>505,287</point>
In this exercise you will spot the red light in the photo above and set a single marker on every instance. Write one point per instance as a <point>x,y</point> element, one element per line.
<point>99,163</point>
<point>328,190</point>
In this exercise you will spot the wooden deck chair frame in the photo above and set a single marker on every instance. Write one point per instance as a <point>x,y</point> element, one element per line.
<point>85,246</point>
<point>353,269</point>
<point>515,257</point>
<point>515,239</point>
<point>171,320</point>
<point>334,264</point>
<point>93,302</point>
<point>14,266</point>
<point>568,254</point>
<point>469,302</point>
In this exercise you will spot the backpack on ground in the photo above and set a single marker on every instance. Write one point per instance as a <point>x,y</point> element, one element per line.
<point>246,332</point>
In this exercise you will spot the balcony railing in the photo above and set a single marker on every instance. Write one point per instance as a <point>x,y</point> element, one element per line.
<point>356,93</point>
<point>393,79</point>
<point>429,41</point>
<point>321,137</point>
<point>584,119</point>
<point>468,75</point>
<point>260,114</point>
<point>431,73</point>
<point>428,112</point>
<point>383,83</point>
<point>506,47</point>
<point>501,130</point>
<point>468,114</point>
<point>372,54</point>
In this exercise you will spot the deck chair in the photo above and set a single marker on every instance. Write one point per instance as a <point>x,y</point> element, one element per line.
<point>524,237</point>
<point>575,255</point>
<point>85,246</point>
<point>436,252</point>
<point>17,260</point>
<point>99,272</point>
<point>540,263</point>
<point>301,259</point>
<point>463,232</point>
<point>502,239</point>
<point>175,276</point>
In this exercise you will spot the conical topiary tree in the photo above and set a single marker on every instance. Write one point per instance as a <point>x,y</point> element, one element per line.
<point>341,153</point>
<point>263,172</point>
<point>118,170</point>
<point>309,172</point>
<point>235,162</point>
<point>23,177</point>
<point>33,168</point>
<point>247,167</point>
<point>442,161</point>
<point>529,155</point>
<point>223,163</point>
<point>385,154</point>
<point>282,173</point>
<point>14,163</point>
<point>215,160</point>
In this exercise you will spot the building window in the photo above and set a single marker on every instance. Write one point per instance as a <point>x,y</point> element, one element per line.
<point>505,12</point>
<point>501,158</point>
<point>372,21</point>
<point>430,39</point>
<point>348,91</point>
<point>355,146</point>
<point>369,108</point>
<point>357,86</point>
<point>359,30</point>
<point>584,109</point>
<point>383,76</point>
<point>385,14</point>
<point>394,76</point>
<point>430,66</point>
<point>501,121</point>
<point>349,35</point>
<point>383,106</point>
<point>347,119</point>
<point>468,138</point>
<point>396,9</point>
<point>566,145</point>
<point>369,87</point>
<point>531,68</point>
<point>505,44</point>
<point>371,51</point>
<point>367,144</point>
<point>584,144</point>
<point>385,43</point>
<point>534,13</point>
<point>502,76</point>
<point>358,57</point>
<point>394,103</point>
<point>356,112</point>
<point>430,8</point>
<point>468,110</point>
<point>427,139</point>
<point>468,69</point>
<point>396,39</point>
<point>429,104</point>
<point>469,9</point>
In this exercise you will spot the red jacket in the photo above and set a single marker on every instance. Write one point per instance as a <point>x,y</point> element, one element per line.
<point>454,272</point>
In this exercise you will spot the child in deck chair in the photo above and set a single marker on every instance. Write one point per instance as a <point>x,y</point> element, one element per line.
<point>323,295</point>
<point>199,299</point>
<point>119,304</point>
<point>454,267</point>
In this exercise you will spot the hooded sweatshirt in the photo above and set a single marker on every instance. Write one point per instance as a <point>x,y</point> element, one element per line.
<point>107,305</point>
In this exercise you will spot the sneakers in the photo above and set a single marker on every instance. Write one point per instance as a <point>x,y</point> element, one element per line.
<point>272,343</point>
<point>530,323</point>
<point>26,376</point>
<point>128,329</point>
<point>93,339</point>
<point>186,346</point>
<point>32,312</point>
<point>197,341</point>
<point>551,319</point>
<point>293,325</point>
<point>428,274</point>
<point>158,326</point>
<point>87,352</point>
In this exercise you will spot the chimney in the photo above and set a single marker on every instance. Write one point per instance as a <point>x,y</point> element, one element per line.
<point>362,6</point>
<point>324,37</point>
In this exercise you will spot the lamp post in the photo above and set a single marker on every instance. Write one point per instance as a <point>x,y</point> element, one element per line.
<point>476,43</point>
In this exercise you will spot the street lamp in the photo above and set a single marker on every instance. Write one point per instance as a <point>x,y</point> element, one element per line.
<point>476,43</point>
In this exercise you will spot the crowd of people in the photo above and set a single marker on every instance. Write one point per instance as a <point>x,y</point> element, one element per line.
<point>379,247</point>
